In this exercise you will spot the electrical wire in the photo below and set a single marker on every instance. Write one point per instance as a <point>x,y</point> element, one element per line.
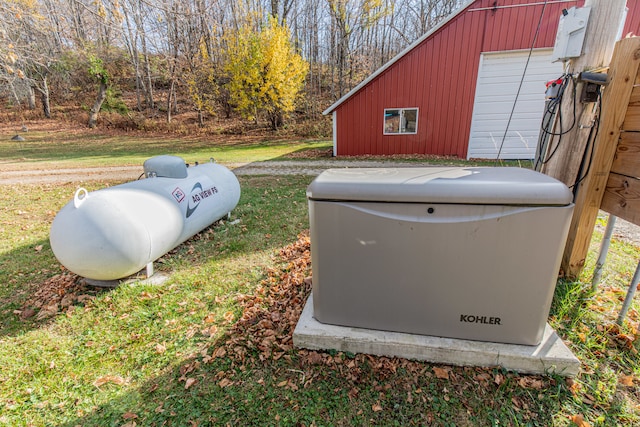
<point>524,72</point>
<point>566,78</point>
<point>591,142</point>
<point>548,121</point>
<point>549,115</point>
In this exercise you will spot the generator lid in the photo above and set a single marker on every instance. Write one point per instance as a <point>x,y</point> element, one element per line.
<point>452,185</point>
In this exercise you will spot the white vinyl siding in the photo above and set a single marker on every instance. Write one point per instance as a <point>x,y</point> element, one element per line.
<point>499,76</point>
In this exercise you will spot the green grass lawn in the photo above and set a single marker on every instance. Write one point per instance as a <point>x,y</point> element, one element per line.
<point>63,149</point>
<point>211,346</point>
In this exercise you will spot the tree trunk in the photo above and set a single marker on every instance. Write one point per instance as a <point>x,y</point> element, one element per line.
<point>276,119</point>
<point>175,100</point>
<point>44,97</point>
<point>46,106</point>
<point>149,82</point>
<point>169,100</point>
<point>102,95</point>
<point>131,44</point>
<point>32,98</point>
<point>146,80</point>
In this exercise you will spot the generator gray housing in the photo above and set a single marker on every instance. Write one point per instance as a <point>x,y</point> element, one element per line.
<point>469,253</point>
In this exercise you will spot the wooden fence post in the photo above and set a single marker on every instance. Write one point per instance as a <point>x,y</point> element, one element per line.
<point>623,72</point>
<point>568,148</point>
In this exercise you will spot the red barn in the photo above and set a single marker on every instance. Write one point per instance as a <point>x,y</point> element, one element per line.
<point>452,91</point>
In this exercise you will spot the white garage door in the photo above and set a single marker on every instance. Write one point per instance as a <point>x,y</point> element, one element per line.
<point>498,80</point>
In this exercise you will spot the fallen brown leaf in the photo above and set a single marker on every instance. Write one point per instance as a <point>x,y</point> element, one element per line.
<point>48,311</point>
<point>229,316</point>
<point>625,340</point>
<point>531,382</point>
<point>189,383</point>
<point>588,399</point>
<point>353,393</point>
<point>225,382</point>
<point>483,377</point>
<point>573,385</point>
<point>27,313</point>
<point>145,295</point>
<point>442,373</point>
<point>376,407</point>
<point>210,331</point>
<point>114,379</point>
<point>579,421</point>
<point>626,380</point>
<point>219,352</point>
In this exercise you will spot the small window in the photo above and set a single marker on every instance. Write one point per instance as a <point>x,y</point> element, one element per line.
<point>400,120</point>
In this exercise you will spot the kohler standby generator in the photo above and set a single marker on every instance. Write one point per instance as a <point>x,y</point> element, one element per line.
<point>462,252</point>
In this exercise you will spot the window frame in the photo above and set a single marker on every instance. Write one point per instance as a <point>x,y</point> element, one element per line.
<point>402,115</point>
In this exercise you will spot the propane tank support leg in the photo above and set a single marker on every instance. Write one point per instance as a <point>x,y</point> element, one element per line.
<point>604,249</point>
<point>150,269</point>
<point>630,294</point>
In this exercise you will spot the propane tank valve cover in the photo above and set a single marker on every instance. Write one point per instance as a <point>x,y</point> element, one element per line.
<point>165,166</point>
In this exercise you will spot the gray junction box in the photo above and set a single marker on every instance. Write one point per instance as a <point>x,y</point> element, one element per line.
<point>469,253</point>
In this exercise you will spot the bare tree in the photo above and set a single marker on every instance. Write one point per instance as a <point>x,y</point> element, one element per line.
<point>31,47</point>
<point>178,46</point>
<point>280,9</point>
<point>135,39</point>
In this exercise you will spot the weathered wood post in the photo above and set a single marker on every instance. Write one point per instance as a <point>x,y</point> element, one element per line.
<point>568,148</point>
<point>615,100</point>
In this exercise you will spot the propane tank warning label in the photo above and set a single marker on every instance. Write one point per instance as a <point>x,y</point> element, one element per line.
<point>178,194</point>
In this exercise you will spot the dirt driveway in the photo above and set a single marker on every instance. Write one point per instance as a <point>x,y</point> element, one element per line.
<point>623,229</point>
<point>128,173</point>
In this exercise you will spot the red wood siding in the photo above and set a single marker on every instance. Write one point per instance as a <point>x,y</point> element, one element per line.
<point>633,18</point>
<point>439,75</point>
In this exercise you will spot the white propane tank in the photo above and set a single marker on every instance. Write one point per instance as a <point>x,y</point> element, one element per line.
<point>115,232</point>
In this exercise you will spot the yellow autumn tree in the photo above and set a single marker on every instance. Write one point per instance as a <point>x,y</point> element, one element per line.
<point>201,81</point>
<point>243,69</point>
<point>266,74</point>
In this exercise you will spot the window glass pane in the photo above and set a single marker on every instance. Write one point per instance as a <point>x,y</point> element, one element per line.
<point>410,120</point>
<point>391,121</point>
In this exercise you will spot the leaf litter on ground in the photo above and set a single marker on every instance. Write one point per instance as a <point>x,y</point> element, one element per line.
<point>263,333</point>
<point>60,293</point>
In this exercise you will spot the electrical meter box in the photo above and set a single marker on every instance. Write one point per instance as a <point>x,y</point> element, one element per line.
<point>469,253</point>
<point>572,29</point>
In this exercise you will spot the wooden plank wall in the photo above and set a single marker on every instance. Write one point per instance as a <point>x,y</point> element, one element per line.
<point>622,194</point>
<point>616,111</point>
